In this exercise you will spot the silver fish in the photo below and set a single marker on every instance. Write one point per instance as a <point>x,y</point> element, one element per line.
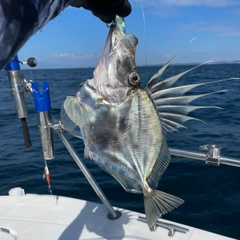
<point>123,125</point>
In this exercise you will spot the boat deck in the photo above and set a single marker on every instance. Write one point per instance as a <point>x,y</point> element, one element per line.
<point>49,217</point>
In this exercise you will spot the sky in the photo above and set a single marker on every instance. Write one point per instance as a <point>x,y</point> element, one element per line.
<point>76,38</point>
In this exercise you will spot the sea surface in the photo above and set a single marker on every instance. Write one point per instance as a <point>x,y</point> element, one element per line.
<point>211,194</point>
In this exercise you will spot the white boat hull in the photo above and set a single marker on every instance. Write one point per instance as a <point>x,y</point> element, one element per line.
<point>49,217</point>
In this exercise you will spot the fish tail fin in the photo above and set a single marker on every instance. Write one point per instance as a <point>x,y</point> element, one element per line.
<point>158,203</point>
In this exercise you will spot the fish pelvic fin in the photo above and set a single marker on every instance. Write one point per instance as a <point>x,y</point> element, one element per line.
<point>74,113</point>
<point>158,203</point>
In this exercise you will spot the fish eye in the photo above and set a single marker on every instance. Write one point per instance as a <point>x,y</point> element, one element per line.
<point>133,78</point>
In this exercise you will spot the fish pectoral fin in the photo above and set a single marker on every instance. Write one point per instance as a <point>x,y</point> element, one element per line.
<point>74,113</point>
<point>157,203</point>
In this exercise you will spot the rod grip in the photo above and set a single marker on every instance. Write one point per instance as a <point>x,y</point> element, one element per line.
<point>26,136</point>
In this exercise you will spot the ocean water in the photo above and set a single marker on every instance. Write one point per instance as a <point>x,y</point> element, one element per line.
<point>211,194</point>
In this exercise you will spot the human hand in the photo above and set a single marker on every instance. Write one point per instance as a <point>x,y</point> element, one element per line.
<point>106,10</point>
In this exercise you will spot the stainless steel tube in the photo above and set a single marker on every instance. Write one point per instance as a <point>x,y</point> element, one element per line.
<point>16,83</point>
<point>46,134</point>
<point>87,174</point>
<point>201,156</point>
<point>230,161</point>
<point>187,154</point>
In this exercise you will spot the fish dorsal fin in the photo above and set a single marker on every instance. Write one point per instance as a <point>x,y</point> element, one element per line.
<point>157,75</point>
<point>172,122</point>
<point>172,104</point>
<point>74,113</point>
<point>180,90</point>
<point>182,100</point>
<point>178,109</point>
<point>171,80</point>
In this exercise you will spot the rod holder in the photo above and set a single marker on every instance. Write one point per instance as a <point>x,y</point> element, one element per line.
<point>17,88</point>
<point>43,107</point>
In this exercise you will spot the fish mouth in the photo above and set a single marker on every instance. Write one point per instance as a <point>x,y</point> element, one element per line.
<point>119,42</point>
<point>113,37</point>
<point>117,62</point>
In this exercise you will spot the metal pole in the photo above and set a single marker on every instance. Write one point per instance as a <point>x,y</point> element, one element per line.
<point>204,157</point>
<point>87,174</point>
<point>187,154</point>
<point>17,87</point>
<point>230,161</point>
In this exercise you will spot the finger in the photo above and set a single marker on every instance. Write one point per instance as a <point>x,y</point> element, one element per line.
<point>121,7</point>
<point>106,15</point>
<point>101,9</point>
<point>77,3</point>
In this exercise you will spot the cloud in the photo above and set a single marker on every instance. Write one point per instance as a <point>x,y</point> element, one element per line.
<point>191,27</point>
<point>219,29</point>
<point>186,3</point>
<point>167,55</point>
<point>72,56</point>
<point>174,8</point>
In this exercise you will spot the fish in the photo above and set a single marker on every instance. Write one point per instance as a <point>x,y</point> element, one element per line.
<point>124,125</point>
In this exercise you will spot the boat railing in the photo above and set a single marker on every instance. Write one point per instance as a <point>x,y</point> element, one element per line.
<point>47,124</point>
<point>211,157</point>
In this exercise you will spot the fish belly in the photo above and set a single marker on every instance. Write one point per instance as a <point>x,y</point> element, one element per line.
<point>125,139</point>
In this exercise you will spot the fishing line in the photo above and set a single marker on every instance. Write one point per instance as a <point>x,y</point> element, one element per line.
<point>191,54</point>
<point>190,63</point>
<point>191,40</point>
<point>202,53</point>
<point>144,40</point>
<point>31,73</point>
